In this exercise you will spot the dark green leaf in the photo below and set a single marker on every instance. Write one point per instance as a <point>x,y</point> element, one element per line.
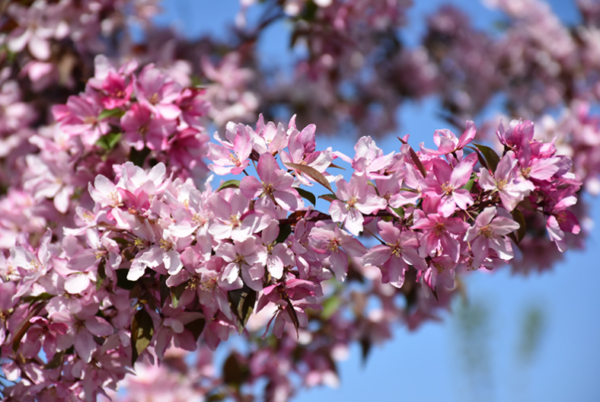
<point>235,372</point>
<point>138,157</point>
<point>56,361</point>
<point>229,184</point>
<point>292,313</point>
<point>40,297</point>
<point>109,141</point>
<point>308,195</point>
<point>101,274</point>
<point>106,113</point>
<point>176,293</point>
<point>121,241</point>
<point>399,211</point>
<point>242,303</point>
<point>122,280</point>
<point>312,173</point>
<point>491,157</point>
<point>196,327</point>
<point>328,197</point>
<point>142,330</point>
<point>284,232</point>
<point>365,346</point>
<point>520,219</point>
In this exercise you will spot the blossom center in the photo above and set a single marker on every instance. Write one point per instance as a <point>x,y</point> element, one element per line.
<point>199,219</point>
<point>166,245</point>
<point>154,99</point>
<point>525,172</point>
<point>268,188</point>
<point>239,259</point>
<point>89,120</point>
<point>501,184</point>
<point>352,202</point>
<point>234,221</point>
<point>447,188</point>
<point>439,229</point>
<point>396,249</point>
<point>486,232</point>
<point>209,285</point>
<point>334,244</point>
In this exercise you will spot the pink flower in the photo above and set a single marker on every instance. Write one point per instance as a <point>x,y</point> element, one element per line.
<point>506,181</point>
<point>231,157</point>
<point>232,220</point>
<point>245,257</point>
<point>394,257</point>
<point>334,246</point>
<point>79,117</point>
<point>488,232</point>
<point>83,326</point>
<point>560,220</point>
<point>355,199</point>
<point>158,92</point>
<point>142,129</point>
<point>447,186</point>
<point>279,255</point>
<point>440,235</point>
<point>447,142</point>
<point>276,184</point>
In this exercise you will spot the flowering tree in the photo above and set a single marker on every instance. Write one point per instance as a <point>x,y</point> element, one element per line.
<point>120,252</point>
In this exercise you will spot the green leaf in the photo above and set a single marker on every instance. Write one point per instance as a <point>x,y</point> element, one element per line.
<point>40,297</point>
<point>330,306</point>
<point>520,219</point>
<point>176,293</point>
<point>284,232</point>
<point>106,113</point>
<point>235,372</point>
<point>491,156</point>
<point>312,173</point>
<point>399,211</point>
<point>196,327</point>
<point>470,183</point>
<point>242,303</point>
<point>229,184</point>
<point>328,197</point>
<point>122,280</point>
<point>109,141</point>
<point>308,195</point>
<point>142,330</point>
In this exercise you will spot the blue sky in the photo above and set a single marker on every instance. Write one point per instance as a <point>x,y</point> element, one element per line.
<point>429,364</point>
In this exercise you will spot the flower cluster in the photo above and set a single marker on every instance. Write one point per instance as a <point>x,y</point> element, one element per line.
<point>156,262</point>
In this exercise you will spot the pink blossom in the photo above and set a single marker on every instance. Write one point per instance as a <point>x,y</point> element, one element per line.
<point>447,186</point>
<point>393,258</point>
<point>488,232</point>
<point>355,199</point>
<point>506,181</point>
<point>276,184</point>
<point>245,258</point>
